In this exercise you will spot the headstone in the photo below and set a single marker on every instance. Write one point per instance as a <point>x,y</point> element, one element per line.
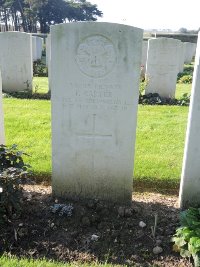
<point>34,49</point>
<point>37,46</point>
<point>190,178</point>
<point>48,58</point>
<point>144,58</point>
<point>2,133</point>
<point>16,61</point>
<point>162,66</point>
<point>95,72</point>
<point>48,50</point>
<point>190,49</point>
<point>181,57</point>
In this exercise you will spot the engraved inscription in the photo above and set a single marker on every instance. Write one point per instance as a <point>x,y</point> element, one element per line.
<point>96,56</point>
<point>93,134</point>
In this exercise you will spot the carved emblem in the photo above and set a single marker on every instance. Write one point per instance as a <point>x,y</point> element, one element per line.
<point>96,56</point>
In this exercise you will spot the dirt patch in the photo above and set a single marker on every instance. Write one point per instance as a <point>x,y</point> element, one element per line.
<point>94,231</point>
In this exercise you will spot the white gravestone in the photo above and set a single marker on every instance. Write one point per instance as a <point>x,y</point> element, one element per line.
<point>2,133</point>
<point>95,75</point>
<point>48,58</point>
<point>37,46</point>
<point>144,58</point>
<point>181,57</point>
<point>162,66</point>
<point>190,49</point>
<point>34,49</point>
<point>16,61</point>
<point>190,179</point>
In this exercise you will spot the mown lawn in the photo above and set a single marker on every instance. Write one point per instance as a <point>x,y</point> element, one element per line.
<point>15,262</point>
<point>159,143</point>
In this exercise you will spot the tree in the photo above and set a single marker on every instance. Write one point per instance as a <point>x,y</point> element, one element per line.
<point>183,30</point>
<point>29,14</point>
<point>59,11</point>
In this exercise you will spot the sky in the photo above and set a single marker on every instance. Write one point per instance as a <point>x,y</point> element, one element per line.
<point>151,14</point>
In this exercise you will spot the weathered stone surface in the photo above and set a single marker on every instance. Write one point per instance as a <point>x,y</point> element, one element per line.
<point>190,179</point>
<point>16,61</point>
<point>95,71</point>
<point>162,66</point>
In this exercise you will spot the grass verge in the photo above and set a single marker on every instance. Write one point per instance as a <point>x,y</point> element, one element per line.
<point>159,142</point>
<point>6,261</point>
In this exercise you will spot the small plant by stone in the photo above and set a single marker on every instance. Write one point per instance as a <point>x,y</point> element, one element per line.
<point>187,79</point>
<point>11,157</point>
<point>13,172</point>
<point>187,237</point>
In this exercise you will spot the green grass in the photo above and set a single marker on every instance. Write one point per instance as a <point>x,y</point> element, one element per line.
<point>159,143</point>
<point>15,262</point>
<point>27,124</point>
<point>182,89</point>
<point>40,85</point>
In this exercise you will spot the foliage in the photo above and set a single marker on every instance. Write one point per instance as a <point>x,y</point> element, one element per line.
<point>11,157</point>
<point>26,15</point>
<point>13,171</point>
<point>188,72</point>
<point>28,95</point>
<point>39,69</point>
<point>156,99</point>
<point>185,79</point>
<point>187,237</point>
<point>143,85</point>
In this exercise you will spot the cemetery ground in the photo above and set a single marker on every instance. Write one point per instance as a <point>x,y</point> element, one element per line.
<point>96,232</point>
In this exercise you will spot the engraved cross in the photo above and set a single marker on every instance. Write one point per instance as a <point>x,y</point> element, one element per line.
<point>94,134</point>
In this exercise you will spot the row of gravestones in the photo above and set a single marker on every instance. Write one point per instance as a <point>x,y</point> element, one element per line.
<point>162,60</point>
<point>94,81</point>
<point>18,51</point>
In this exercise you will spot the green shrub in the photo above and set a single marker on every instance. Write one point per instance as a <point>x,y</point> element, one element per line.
<point>40,69</point>
<point>187,237</point>
<point>28,95</point>
<point>188,71</point>
<point>185,79</point>
<point>11,157</point>
<point>156,99</point>
<point>13,171</point>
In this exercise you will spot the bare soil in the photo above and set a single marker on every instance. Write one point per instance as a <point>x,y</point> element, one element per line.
<point>95,231</point>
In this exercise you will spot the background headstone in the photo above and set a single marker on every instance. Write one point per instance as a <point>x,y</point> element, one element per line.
<point>144,58</point>
<point>162,66</point>
<point>48,58</point>
<point>37,47</point>
<point>16,61</point>
<point>95,72</point>
<point>2,132</point>
<point>181,57</point>
<point>34,49</point>
<point>190,179</point>
<point>190,49</point>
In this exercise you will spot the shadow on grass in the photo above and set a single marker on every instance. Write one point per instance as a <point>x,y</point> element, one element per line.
<point>96,232</point>
<point>27,95</point>
<point>149,184</point>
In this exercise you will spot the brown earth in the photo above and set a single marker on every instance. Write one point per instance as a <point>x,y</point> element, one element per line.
<point>95,231</point>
